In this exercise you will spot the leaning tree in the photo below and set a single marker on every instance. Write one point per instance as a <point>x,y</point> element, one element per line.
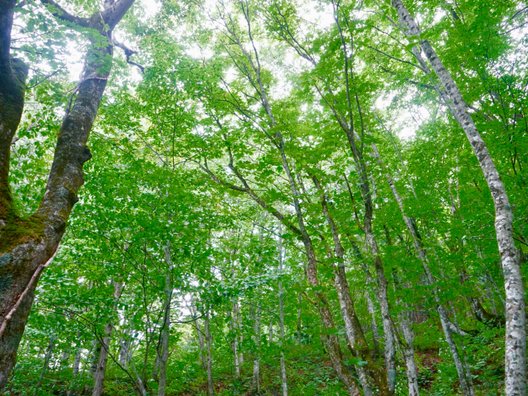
<point>27,244</point>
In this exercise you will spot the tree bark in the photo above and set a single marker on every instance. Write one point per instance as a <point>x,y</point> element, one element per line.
<point>256,340</point>
<point>284,378</point>
<point>515,352</point>
<point>45,365</point>
<point>27,245</point>
<point>209,357</point>
<point>464,375</point>
<point>235,328</point>
<point>100,370</point>
<point>354,333</point>
<point>163,350</point>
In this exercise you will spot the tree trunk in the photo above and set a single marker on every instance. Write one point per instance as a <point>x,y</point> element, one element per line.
<point>330,340</point>
<point>256,341</point>
<point>515,352</point>
<point>200,334</point>
<point>464,375</point>
<point>27,245</point>
<point>100,371</point>
<point>354,333</point>
<point>47,358</point>
<point>284,378</point>
<point>209,357</point>
<point>235,344</point>
<point>163,350</point>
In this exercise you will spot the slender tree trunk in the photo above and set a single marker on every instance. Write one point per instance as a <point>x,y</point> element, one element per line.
<point>373,249</point>
<point>75,369</point>
<point>100,370</point>
<point>124,352</point>
<point>330,340</point>
<point>235,344</point>
<point>284,378</point>
<point>464,375</point>
<point>368,296</point>
<point>163,351</point>
<point>256,341</point>
<point>209,357</point>
<point>407,344</point>
<point>354,333</point>
<point>408,354</point>
<point>45,365</point>
<point>200,334</point>
<point>76,362</point>
<point>515,352</point>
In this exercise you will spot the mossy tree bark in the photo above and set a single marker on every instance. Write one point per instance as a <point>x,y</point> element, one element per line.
<point>27,245</point>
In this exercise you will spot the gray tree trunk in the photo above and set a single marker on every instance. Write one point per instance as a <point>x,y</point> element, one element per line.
<point>515,351</point>
<point>354,333</point>
<point>45,365</point>
<point>100,370</point>
<point>256,341</point>
<point>163,351</point>
<point>464,375</point>
<point>209,357</point>
<point>199,333</point>
<point>284,378</point>
<point>235,328</point>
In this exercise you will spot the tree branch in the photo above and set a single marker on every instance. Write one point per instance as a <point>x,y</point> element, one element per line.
<point>60,13</point>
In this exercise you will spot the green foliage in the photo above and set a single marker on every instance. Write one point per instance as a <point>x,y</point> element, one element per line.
<point>183,153</point>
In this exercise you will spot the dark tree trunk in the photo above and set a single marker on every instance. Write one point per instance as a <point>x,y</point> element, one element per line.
<point>27,245</point>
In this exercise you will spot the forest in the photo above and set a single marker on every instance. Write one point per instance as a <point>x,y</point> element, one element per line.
<point>273,197</point>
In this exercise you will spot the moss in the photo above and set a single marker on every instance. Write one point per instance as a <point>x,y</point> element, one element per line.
<point>5,259</point>
<point>18,231</point>
<point>6,280</point>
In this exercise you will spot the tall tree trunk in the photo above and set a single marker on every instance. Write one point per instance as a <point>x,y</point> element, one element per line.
<point>124,352</point>
<point>100,371</point>
<point>235,344</point>
<point>373,249</point>
<point>464,375</point>
<point>75,369</point>
<point>256,340</point>
<point>284,378</point>
<point>330,340</point>
<point>209,357</point>
<point>45,365</point>
<point>515,352</point>
<point>27,245</point>
<point>369,291</point>
<point>354,333</point>
<point>407,344</point>
<point>200,334</point>
<point>408,354</point>
<point>163,350</point>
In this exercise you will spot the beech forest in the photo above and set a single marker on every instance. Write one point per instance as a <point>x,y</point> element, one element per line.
<point>263,197</point>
